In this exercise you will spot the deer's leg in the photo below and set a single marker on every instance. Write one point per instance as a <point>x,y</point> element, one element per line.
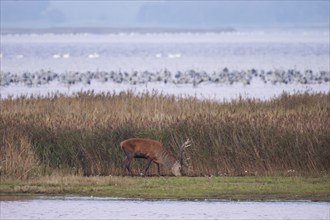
<point>127,165</point>
<point>147,165</point>
<point>158,169</point>
<point>124,165</point>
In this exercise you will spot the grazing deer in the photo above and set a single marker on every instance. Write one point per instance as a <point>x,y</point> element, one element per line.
<point>152,151</point>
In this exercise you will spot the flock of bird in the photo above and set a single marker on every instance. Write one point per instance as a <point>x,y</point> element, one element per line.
<point>193,77</point>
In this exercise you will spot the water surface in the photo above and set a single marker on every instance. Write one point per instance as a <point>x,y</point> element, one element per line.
<point>268,50</point>
<point>110,208</point>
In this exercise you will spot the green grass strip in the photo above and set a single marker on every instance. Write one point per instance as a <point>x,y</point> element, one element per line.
<point>184,188</point>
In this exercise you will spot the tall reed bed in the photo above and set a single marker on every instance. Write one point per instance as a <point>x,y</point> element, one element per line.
<point>289,135</point>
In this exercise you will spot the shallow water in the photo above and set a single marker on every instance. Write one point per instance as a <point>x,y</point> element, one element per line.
<point>112,208</point>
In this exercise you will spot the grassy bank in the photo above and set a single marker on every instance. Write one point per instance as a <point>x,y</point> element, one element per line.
<point>80,135</point>
<point>233,188</point>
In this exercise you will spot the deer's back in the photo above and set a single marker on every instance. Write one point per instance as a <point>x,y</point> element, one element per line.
<point>140,147</point>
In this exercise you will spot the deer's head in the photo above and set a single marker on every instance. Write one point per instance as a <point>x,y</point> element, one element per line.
<point>177,167</point>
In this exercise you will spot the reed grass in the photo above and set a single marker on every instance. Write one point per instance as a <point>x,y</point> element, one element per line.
<point>80,134</point>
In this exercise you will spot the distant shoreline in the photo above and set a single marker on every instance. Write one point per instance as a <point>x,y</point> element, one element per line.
<point>149,29</point>
<point>105,30</point>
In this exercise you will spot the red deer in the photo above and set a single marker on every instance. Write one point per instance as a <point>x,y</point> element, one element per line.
<point>152,151</point>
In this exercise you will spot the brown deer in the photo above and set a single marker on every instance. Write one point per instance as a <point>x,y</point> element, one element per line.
<point>152,151</point>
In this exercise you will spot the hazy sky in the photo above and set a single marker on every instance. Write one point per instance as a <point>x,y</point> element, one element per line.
<point>189,14</point>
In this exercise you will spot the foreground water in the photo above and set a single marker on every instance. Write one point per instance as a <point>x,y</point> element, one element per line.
<point>110,208</point>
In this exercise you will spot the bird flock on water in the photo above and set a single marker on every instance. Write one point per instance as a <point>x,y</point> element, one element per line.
<point>193,77</point>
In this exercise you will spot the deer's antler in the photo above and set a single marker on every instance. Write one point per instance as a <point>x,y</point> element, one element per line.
<point>186,144</point>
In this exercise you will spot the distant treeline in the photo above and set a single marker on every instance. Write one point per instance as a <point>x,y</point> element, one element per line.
<point>289,135</point>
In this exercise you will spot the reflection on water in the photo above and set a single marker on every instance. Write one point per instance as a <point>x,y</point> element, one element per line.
<point>111,208</point>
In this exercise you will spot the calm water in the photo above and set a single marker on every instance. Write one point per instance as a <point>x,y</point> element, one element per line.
<point>110,208</point>
<point>242,50</point>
